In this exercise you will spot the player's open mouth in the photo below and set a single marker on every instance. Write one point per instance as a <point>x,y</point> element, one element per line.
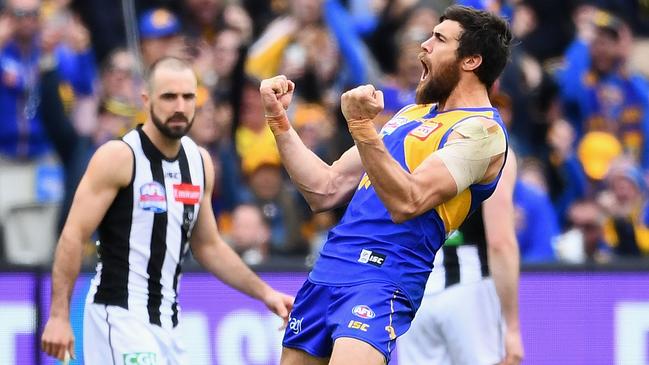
<point>424,73</point>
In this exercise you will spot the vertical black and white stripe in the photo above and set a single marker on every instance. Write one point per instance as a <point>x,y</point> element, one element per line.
<point>463,264</point>
<point>141,250</point>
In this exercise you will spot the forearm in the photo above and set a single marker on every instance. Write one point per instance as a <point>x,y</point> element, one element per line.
<point>225,264</point>
<point>394,185</point>
<point>67,263</point>
<point>504,263</point>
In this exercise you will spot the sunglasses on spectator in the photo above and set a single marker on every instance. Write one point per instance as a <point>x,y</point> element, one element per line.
<point>25,13</point>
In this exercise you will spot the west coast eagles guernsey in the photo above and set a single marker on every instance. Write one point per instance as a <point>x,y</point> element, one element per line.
<point>366,245</point>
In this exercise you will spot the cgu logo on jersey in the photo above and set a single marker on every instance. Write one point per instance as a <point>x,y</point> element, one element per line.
<point>187,193</point>
<point>363,311</point>
<point>153,197</point>
<point>140,358</point>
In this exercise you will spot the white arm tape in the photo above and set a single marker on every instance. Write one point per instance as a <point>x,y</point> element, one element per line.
<point>468,158</point>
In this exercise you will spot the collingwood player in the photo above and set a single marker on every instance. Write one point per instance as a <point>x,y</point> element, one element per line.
<point>469,314</point>
<point>148,197</point>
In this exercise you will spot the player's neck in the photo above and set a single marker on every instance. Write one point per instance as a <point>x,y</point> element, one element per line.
<point>169,147</point>
<point>466,95</point>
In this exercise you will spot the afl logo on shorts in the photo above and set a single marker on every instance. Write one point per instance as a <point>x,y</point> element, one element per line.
<point>363,311</point>
<point>153,197</point>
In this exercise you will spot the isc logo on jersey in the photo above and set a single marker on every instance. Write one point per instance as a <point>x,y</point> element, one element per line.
<point>153,197</point>
<point>363,311</point>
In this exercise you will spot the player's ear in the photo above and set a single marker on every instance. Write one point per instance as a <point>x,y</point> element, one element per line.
<point>471,63</point>
<point>145,97</point>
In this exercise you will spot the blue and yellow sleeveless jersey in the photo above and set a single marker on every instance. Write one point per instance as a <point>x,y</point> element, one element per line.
<point>366,246</point>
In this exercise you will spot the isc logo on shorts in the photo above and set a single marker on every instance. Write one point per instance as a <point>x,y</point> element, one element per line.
<point>140,358</point>
<point>153,197</point>
<point>363,311</point>
<point>358,325</point>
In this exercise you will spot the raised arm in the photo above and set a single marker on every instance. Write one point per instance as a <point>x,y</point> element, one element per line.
<point>109,170</point>
<point>323,186</point>
<point>503,255</point>
<point>217,257</point>
<point>474,153</point>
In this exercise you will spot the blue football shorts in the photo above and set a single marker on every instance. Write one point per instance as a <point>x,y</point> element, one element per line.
<point>375,313</point>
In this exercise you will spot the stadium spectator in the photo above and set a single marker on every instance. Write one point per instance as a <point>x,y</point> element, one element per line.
<point>211,130</point>
<point>584,241</point>
<point>625,203</point>
<point>536,221</point>
<point>598,91</point>
<point>160,35</point>
<point>250,234</point>
<point>23,47</point>
<point>278,203</point>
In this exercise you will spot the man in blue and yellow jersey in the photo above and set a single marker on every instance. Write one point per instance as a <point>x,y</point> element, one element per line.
<point>407,186</point>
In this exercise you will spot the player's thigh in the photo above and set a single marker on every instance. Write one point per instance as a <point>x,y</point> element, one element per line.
<point>112,335</point>
<point>291,356</point>
<point>473,324</point>
<point>424,344</point>
<point>354,351</point>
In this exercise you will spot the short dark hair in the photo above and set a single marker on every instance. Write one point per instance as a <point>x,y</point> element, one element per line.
<point>174,63</point>
<point>483,34</point>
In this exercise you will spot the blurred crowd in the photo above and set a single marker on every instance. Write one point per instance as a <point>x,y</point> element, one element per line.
<point>574,95</point>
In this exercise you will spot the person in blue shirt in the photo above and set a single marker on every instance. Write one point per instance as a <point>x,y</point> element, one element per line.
<point>407,187</point>
<point>23,48</point>
<point>600,94</point>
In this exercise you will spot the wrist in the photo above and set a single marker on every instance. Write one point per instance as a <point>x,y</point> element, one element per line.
<point>279,124</point>
<point>363,130</point>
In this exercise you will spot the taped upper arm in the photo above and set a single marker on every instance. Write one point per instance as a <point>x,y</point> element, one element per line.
<point>472,150</point>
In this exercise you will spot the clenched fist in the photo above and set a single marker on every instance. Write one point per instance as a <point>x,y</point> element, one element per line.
<point>276,95</point>
<point>361,103</point>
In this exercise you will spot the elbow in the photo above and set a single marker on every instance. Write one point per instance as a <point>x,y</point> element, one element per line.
<point>402,213</point>
<point>317,206</point>
<point>499,247</point>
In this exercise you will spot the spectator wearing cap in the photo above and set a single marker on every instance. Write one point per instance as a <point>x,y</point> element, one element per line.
<point>277,201</point>
<point>160,35</point>
<point>625,202</point>
<point>598,91</point>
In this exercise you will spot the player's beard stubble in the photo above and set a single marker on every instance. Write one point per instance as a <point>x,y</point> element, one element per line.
<point>167,130</point>
<point>439,84</point>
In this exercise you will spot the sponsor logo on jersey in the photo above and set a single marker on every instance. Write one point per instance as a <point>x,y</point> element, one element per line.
<point>372,258</point>
<point>423,131</point>
<point>392,125</point>
<point>363,311</point>
<point>153,197</point>
<point>140,358</point>
<point>358,325</point>
<point>187,193</point>
<point>295,325</point>
<point>173,175</point>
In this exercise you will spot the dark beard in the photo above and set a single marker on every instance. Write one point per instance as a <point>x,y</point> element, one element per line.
<point>169,132</point>
<point>439,86</point>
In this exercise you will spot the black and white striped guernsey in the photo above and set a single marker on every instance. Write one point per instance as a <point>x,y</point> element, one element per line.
<point>463,258</point>
<point>145,232</point>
